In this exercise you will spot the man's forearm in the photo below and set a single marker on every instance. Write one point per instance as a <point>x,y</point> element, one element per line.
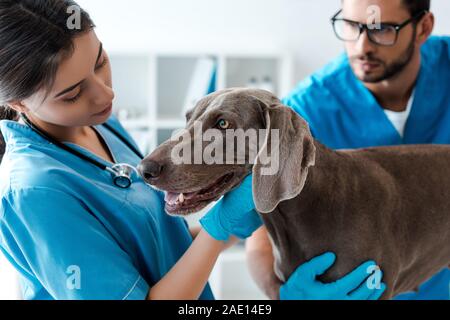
<point>260,261</point>
<point>194,231</point>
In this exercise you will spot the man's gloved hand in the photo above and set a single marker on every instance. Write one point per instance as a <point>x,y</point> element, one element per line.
<point>233,215</point>
<point>303,285</point>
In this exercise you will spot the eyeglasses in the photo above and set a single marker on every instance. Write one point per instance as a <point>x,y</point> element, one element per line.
<point>383,34</point>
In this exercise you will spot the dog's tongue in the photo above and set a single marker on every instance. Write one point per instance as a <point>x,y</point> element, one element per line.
<point>171,198</point>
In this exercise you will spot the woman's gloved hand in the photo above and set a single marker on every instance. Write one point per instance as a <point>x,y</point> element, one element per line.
<point>303,285</point>
<point>233,215</point>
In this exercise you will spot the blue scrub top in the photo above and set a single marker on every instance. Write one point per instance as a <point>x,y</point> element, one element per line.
<point>71,233</point>
<point>342,113</point>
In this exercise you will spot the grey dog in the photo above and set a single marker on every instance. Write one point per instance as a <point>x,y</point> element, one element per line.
<point>389,204</point>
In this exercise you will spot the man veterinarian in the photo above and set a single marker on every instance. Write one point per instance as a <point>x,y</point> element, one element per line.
<point>391,87</point>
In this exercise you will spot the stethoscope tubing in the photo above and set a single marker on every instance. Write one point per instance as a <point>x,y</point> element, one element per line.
<point>80,155</point>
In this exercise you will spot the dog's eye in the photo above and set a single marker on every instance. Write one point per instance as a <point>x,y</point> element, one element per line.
<point>223,124</point>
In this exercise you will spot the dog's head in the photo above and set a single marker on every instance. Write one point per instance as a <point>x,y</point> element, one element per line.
<point>230,134</point>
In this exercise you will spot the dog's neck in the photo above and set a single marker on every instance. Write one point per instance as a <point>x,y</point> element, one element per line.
<point>327,164</point>
<point>321,191</point>
<point>325,181</point>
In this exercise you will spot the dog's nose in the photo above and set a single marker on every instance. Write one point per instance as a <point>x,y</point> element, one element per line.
<point>150,169</point>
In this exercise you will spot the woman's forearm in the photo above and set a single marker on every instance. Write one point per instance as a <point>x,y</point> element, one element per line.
<point>188,277</point>
<point>260,261</point>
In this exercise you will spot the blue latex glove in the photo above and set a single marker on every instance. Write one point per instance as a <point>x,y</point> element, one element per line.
<point>303,285</point>
<point>233,215</point>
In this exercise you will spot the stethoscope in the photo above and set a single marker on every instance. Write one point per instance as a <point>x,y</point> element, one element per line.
<point>121,173</point>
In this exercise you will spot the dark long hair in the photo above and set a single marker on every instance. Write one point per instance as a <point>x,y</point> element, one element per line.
<point>35,36</point>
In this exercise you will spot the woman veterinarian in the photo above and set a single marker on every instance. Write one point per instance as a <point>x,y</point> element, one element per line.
<point>74,221</point>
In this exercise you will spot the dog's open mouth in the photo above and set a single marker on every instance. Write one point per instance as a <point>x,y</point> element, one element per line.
<point>187,203</point>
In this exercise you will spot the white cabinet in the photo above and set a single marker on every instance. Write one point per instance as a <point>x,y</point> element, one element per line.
<point>231,280</point>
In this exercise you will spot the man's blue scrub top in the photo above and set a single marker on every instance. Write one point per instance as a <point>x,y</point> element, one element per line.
<point>342,114</point>
<point>71,233</point>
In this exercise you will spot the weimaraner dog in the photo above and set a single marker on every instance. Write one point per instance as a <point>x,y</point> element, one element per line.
<point>389,204</point>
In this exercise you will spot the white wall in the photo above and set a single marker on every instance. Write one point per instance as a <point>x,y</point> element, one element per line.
<point>300,26</point>
<point>9,283</point>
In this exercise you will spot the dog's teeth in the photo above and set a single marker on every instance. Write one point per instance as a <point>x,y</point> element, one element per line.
<point>181,198</point>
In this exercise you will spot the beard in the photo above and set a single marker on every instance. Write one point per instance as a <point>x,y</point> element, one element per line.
<point>389,70</point>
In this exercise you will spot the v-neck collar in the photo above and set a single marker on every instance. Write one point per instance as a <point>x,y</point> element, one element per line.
<point>400,118</point>
<point>92,154</point>
<point>382,118</point>
<point>376,127</point>
<point>105,143</point>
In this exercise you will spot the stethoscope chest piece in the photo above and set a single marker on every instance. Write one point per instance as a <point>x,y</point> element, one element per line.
<point>122,174</point>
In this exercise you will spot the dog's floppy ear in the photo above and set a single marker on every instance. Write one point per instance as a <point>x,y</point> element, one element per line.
<point>281,167</point>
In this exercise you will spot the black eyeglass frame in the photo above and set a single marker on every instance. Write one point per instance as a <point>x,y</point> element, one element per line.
<point>362,27</point>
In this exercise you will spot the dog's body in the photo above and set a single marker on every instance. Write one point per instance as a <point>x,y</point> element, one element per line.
<point>390,204</point>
